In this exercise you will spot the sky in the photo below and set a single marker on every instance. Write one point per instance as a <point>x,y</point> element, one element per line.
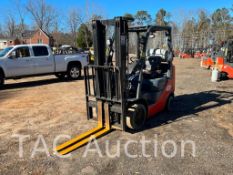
<point>109,8</point>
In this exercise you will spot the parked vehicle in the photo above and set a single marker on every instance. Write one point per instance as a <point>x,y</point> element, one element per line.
<point>224,63</point>
<point>200,53</point>
<point>207,62</point>
<point>33,60</point>
<point>186,53</point>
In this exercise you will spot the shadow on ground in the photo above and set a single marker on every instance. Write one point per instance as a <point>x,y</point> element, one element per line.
<point>6,95</point>
<point>190,105</point>
<point>30,84</point>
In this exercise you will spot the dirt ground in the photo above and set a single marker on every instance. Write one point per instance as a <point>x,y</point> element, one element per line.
<point>203,113</point>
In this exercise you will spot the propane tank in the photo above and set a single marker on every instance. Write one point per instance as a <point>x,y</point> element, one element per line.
<point>215,75</point>
<point>202,59</point>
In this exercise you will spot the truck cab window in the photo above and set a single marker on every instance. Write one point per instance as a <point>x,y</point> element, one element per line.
<point>22,52</point>
<point>40,51</point>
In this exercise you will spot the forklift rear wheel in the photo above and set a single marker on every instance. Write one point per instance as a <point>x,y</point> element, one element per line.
<point>223,76</point>
<point>136,117</point>
<point>170,102</point>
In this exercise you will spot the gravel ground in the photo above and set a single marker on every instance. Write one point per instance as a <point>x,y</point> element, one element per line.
<point>45,107</point>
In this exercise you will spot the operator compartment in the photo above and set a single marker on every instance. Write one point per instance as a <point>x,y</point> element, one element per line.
<point>156,66</point>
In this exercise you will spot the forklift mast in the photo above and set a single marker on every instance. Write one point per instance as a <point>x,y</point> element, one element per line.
<point>105,81</point>
<point>229,51</point>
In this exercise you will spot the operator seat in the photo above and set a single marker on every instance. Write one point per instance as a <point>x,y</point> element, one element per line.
<point>152,66</point>
<point>165,56</point>
<point>153,79</point>
<point>156,74</point>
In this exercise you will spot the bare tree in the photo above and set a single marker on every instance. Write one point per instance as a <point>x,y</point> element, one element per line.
<point>93,10</point>
<point>221,21</point>
<point>74,21</point>
<point>21,14</point>
<point>10,25</point>
<point>43,14</point>
<point>1,31</point>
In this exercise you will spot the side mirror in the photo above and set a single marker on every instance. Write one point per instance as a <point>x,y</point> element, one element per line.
<point>12,55</point>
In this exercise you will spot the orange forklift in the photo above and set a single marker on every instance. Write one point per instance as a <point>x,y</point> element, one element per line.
<point>208,60</point>
<point>186,53</point>
<point>124,90</point>
<point>224,62</point>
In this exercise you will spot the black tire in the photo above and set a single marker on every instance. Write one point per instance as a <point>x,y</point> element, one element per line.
<point>223,76</point>
<point>74,72</point>
<point>136,117</point>
<point>170,102</point>
<point>60,76</point>
<point>2,79</point>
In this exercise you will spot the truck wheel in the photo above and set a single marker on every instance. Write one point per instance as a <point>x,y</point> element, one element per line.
<point>74,72</point>
<point>2,79</point>
<point>170,102</point>
<point>136,117</point>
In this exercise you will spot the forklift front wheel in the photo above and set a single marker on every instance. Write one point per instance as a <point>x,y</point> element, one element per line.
<point>136,117</point>
<point>170,102</point>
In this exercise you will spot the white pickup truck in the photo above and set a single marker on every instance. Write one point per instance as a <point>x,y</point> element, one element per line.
<point>34,60</point>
